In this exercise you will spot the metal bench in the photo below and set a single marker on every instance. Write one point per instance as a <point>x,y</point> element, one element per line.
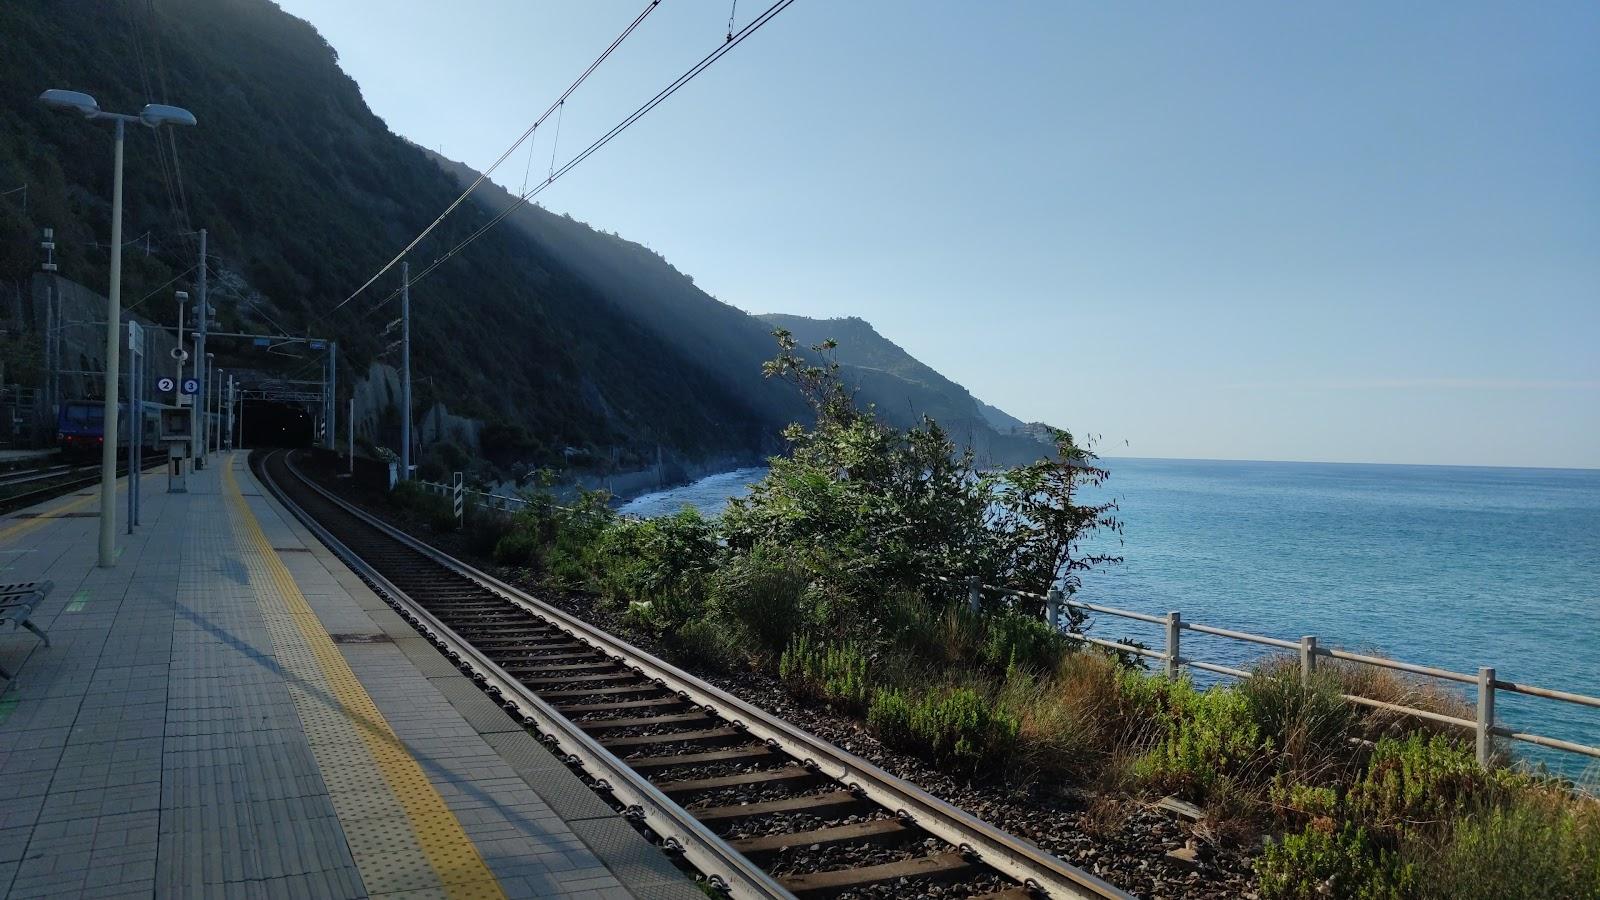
<point>16,606</point>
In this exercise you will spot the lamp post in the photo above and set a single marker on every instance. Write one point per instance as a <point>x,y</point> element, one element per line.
<point>153,115</point>
<point>205,404</point>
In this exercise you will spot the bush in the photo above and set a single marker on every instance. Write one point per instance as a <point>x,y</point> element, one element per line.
<point>436,511</point>
<point>1544,843</point>
<point>1015,641</point>
<point>1420,779</point>
<point>1209,735</point>
<point>640,559</point>
<point>708,644</point>
<point>835,673</point>
<point>956,728</point>
<point>518,547</point>
<point>763,593</point>
<point>1308,724</point>
<point>1321,861</point>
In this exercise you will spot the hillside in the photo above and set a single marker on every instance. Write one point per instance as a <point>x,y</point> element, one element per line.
<point>554,333</point>
<point>903,389</point>
<point>306,192</point>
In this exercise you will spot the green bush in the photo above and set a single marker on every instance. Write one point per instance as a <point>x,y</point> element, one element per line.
<point>957,728</point>
<point>639,559</point>
<point>836,673</point>
<point>1015,641</point>
<point>709,644</point>
<point>518,547</point>
<point>1308,723</point>
<point>1321,862</point>
<point>1543,843</point>
<point>437,511</point>
<point>1418,779</point>
<point>763,592</point>
<point>1208,735</point>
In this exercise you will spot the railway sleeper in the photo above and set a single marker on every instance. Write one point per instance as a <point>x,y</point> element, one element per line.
<point>754,754</point>
<point>944,868</point>
<point>709,737</point>
<point>883,832</point>
<point>791,777</point>
<point>686,718</point>
<point>832,805</point>
<point>572,709</point>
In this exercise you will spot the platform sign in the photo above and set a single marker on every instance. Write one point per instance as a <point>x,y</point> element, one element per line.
<point>191,386</point>
<point>165,385</point>
<point>135,337</point>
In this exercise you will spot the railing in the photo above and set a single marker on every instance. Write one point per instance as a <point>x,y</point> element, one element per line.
<point>459,493</point>
<point>1484,727</point>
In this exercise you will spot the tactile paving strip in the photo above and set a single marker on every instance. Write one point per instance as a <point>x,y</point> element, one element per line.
<point>401,834</point>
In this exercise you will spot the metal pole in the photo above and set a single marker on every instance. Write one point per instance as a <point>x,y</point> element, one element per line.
<point>350,434</point>
<point>228,432</point>
<point>108,441</point>
<point>405,380</point>
<point>974,594</point>
<point>1308,659</point>
<point>202,313</point>
<point>333,394</point>
<point>133,437</point>
<point>1485,732</point>
<point>1174,659</point>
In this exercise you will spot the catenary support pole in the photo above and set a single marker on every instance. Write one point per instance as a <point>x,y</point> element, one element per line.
<point>202,311</point>
<point>350,434</point>
<point>108,441</point>
<point>405,376</point>
<point>333,394</point>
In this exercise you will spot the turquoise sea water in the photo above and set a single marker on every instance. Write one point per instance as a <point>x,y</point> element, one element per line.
<point>1445,566</point>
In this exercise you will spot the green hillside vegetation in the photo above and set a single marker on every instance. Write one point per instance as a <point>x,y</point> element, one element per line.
<point>306,192</point>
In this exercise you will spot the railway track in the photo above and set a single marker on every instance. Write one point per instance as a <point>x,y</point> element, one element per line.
<point>63,479</point>
<point>760,807</point>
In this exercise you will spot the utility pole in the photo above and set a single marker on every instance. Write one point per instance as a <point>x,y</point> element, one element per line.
<point>229,431</point>
<point>405,377</point>
<point>108,440</point>
<point>333,393</point>
<point>202,313</point>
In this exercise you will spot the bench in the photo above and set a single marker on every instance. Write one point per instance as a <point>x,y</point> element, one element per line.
<point>16,607</point>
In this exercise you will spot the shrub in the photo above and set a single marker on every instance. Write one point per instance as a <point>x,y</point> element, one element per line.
<point>954,728</point>
<point>1544,843</point>
<point>833,672</point>
<point>1322,861</point>
<point>1059,725</point>
<point>1308,723</point>
<point>519,547</point>
<point>1418,780</point>
<point>1208,735</point>
<point>1389,686</point>
<point>762,592</point>
<point>1015,641</point>
<point>708,644</point>
<point>436,511</point>
<point>639,559</point>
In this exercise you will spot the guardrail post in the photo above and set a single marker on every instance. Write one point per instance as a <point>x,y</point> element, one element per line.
<point>1485,715</point>
<point>1308,658</point>
<point>459,498</point>
<point>974,593</point>
<point>1174,626</point>
<point>1053,601</point>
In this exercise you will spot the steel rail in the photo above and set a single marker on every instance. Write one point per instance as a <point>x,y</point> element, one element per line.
<point>1011,856</point>
<point>681,830</point>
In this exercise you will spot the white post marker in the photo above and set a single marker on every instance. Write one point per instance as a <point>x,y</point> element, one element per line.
<point>459,497</point>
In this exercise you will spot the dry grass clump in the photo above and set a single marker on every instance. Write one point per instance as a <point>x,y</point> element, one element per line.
<point>1401,689</point>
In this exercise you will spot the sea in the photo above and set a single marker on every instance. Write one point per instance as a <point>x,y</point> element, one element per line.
<point>1445,566</point>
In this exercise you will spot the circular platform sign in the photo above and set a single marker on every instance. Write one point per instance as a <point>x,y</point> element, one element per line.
<point>165,385</point>
<point>191,386</point>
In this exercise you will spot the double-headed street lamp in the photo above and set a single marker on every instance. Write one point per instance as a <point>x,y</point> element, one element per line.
<point>153,115</point>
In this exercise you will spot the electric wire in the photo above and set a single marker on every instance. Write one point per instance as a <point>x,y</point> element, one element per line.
<point>666,92</point>
<point>482,176</point>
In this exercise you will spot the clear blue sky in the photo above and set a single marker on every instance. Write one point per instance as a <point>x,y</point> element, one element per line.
<point>1333,231</point>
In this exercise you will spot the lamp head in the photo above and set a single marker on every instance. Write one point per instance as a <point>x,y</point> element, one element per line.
<point>75,101</point>
<point>158,114</point>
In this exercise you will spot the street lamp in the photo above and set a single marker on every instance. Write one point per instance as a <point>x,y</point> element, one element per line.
<point>205,404</point>
<point>153,115</point>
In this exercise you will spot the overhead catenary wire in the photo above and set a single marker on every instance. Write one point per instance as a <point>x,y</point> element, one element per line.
<point>639,113</point>
<point>482,176</point>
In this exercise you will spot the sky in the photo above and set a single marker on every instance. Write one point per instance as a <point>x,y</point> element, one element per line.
<point>1349,231</point>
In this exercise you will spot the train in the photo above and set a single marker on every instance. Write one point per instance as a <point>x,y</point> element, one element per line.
<point>81,425</point>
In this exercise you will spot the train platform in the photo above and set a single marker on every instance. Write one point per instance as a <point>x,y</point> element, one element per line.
<point>229,711</point>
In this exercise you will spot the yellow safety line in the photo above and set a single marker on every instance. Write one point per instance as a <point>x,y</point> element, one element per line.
<point>453,855</point>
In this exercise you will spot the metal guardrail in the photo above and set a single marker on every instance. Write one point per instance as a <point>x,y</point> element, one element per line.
<point>1484,727</point>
